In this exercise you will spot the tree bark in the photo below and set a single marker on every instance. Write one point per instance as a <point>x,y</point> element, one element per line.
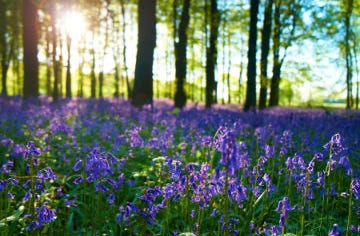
<point>143,87</point>
<point>265,46</point>
<point>211,54</point>
<point>6,48</point>
<point>128,86</point>
<point>68,68</point>
<point>277,63</point>
<point>180,55</point>
<point>30,42</point>
<point>250,102</point>
<point>348,54</point>
<point>54,50</point>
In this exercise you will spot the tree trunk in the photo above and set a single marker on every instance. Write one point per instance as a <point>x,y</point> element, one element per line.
<point>93,76</point>
<point>250,102</point>
<point>277,63</point>
<point>68,68</point>
<point>211,54</point>
<point>143,87</point>
<point>30,41</point>
<point>48,62</point>
<point>4,47</point>
<point>101,83</point>
<point>265,46</point>
<point>180,55</point>
<point>348,55</point>
<point>54,51</point>
<point>128,86</point>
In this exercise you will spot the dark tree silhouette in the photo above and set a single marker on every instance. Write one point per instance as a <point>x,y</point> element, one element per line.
<point>180,55</point>
<point>56,63</point>
<point>348,55</point>
<point>30,43</point>
<point>6,45</point>
<point>143,87</point>
<point>265,46</point>
<point>250,102</point>
<point>211,54</point>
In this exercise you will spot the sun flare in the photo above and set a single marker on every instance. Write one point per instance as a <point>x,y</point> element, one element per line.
<point>74,24</point>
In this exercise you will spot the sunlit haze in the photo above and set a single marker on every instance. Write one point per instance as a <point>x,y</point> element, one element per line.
<point>74,24</point>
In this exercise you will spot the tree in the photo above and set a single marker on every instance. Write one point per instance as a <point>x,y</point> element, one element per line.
<point>348,53</point>
<point>265,46</point>
<point>6,44</point>
<point>30,43</point>
<point>55,61</point>
<point>286,17</point>
<point>250,102</point>
<point>211,54</point>
<point>143,87</point>
<point>180,54</point>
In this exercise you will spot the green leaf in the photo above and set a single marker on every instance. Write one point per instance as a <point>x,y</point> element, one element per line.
<point>13,217</point>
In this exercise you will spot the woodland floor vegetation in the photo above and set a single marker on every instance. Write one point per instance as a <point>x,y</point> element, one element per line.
<point>103,167</point>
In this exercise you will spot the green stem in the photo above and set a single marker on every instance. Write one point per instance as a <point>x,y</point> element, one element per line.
<point>226,199</point>
<point>350,211</point>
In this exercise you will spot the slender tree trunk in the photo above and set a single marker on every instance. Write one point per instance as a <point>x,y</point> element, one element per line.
<point>68,68</point>
<point>265,46</point>
<point>124,42</point>
<point>348,55</point>
<point>229,69</point>
<point>277,63</point>
<point>180,55</point>
<point>143,86</point>
<point>93,76</point>
<point>30,42</point>
<point>48,62</point>
<point>4,48</point>
<point>54,51</point>
<point>357,76</point>
<point>211,54</point>
<point>250,102</point>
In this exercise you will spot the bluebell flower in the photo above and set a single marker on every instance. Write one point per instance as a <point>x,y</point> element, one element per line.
<point>126,212</point>
<point>10,195</point>
<point>44,215</point>
<point>26,184</point>
<point>15,182</point>
<point>78,180</point>
<point>46,173</point>
<point>77,165</point>
<point>2,185</point>
<point>31,150</point>
<point>101,187</point>
<point>27,196</point>
<point>70,203</point>
<point>335,231</point>
<point>283,208</point>
<point>110,199</point>
<point>355,187</point>
<point>345,163</point>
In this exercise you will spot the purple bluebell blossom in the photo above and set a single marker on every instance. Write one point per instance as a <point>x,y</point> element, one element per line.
<point>345,163</point>
<point>77,165</point>
<point>31,150</point>
<point>10,195</point>
<point>111,199</point>
<point>14,182</point>
<point>335,231</point>
<point>2,185</point>
<point>78,180</point>
<point>283,208</point>
<point>355,187</point>
<point>44,215</point>
<point>101,187</point>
